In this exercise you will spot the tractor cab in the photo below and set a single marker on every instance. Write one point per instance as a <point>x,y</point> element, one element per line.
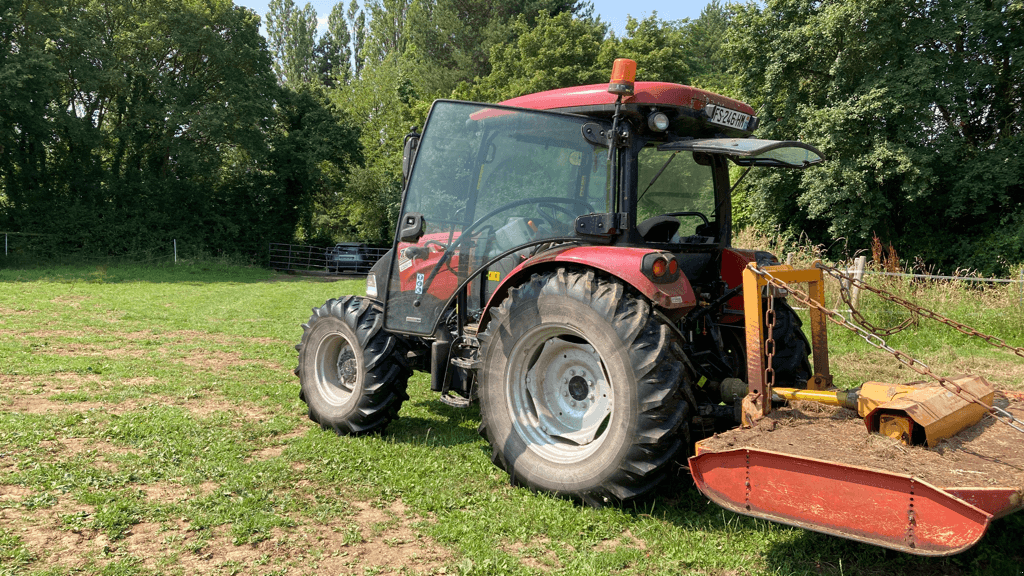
<point>495,191</point>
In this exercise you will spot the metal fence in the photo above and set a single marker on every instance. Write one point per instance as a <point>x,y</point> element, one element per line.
<point>317,259</point>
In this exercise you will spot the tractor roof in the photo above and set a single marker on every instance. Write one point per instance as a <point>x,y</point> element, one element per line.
<point>595,98</point>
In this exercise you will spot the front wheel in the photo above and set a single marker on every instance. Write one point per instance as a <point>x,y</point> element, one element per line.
<point>582,389</point>
<point>352,374</point>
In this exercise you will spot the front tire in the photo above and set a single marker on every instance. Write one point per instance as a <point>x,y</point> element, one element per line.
<point>352,374</point>
<point>582,389</point>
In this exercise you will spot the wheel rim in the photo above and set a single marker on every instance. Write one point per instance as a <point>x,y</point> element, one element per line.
<point>337,369</point>
<point>558,394</point>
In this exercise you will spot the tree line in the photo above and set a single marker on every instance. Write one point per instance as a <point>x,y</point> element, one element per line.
<point>130,122</point>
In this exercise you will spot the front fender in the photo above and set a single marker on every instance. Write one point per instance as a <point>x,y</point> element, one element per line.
<point>674,298</point>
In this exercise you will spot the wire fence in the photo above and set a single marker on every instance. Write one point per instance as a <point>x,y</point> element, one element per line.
<point>23,248</point>
<point>331,260</point>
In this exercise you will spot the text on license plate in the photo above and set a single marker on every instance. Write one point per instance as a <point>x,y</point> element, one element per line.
<point>726,117</point>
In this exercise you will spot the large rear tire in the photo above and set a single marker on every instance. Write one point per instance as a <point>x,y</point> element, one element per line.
<point>582,389</point>
<point>352,374</point>
<point>791,362</point>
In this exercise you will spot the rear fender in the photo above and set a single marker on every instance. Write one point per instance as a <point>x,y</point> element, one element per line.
<point>674,298</point>
<point>734,261</point>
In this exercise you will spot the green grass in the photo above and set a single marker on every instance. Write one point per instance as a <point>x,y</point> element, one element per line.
<point>150,424</point>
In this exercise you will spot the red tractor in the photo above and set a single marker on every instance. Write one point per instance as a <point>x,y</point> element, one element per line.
<point>565,259</point>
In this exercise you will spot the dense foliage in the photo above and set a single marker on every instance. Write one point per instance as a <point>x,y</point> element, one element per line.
<point>130,122</point>
<point>917,104</point>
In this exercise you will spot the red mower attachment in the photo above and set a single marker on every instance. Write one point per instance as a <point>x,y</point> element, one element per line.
<point>819,462</point>
<point>878,507</point>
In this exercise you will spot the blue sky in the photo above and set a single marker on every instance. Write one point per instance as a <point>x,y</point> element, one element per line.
<point>613,12</point>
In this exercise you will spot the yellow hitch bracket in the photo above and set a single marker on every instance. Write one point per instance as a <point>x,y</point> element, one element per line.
<point>758,404</point>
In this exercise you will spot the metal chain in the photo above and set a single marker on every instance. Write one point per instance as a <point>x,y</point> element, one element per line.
<point>769,343</point>
<point>962,328</point>
<point>904,358</point>
<point>844,293</point>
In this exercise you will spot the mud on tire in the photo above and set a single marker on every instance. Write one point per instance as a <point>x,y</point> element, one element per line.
<point>582,390</point>
<point>352,374</point>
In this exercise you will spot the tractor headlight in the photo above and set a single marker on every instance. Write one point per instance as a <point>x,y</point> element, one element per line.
<point>371,285</point>
<point>658,122</point>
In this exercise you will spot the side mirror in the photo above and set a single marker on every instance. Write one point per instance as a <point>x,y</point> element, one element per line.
<point>412,227</point>
<point>412,143</point>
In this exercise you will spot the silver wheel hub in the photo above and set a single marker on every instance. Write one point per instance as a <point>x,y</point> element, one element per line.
<point>558,394</point>
<point>337,369</point>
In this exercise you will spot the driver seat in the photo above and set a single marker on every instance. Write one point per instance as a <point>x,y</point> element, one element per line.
<point>658,228</point>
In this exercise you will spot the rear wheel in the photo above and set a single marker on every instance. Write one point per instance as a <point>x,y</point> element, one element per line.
<point>582,391</point>
<point>352,374</point>
<point>791,361</point>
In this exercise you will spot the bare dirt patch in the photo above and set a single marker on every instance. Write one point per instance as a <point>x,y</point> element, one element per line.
<point>535,554</point>
<point>10,493</point>
<point>72,300</point>
<point>987,454</point>
<point>388,543</point>
<point>38,404</point>
<point>4,311</point>
<point>168,493</point>
<point>71,350</point>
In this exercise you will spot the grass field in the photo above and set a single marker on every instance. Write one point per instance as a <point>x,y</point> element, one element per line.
<point>150,424</point>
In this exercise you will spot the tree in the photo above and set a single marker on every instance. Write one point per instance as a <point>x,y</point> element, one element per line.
<point>292,33</point>
<point>655,45</point>
<point>918,106</point>
<point>704,41</point>
<point>357,27</point>
<point>142,122</point>
<point>558,51</point>
<point>383,98</point>
<point>333,52</point>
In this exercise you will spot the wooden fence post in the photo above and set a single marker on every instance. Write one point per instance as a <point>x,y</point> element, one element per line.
<point>858,274</point>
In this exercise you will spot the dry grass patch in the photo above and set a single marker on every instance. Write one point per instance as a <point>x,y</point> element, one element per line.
<point>535,554</point>
<point>4,311</point>
<point>72,300</point>
<point>1005,370</point>
<point>169,493</point>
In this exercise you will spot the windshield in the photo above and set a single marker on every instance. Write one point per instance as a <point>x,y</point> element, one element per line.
<point>673,186</point>
<point>487,180</point>
<point>754,152</point>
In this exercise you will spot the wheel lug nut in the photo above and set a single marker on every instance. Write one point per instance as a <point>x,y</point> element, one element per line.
<point>590,383</point>
<point>565,381</point>
<point>565,393</point>
<point>572,372</point>
<point>572,403</point>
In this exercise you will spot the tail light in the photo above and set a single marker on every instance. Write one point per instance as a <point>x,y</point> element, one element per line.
<point>660,267</point>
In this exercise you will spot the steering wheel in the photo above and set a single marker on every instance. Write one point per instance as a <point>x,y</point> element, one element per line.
<point>697,214</point>
<point>547,210</point>
<point>554,202</point>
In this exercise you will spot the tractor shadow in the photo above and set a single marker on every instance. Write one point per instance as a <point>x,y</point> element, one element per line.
<point>443,425</point>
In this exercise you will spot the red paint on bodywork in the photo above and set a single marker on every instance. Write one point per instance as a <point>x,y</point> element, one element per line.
<point>657,93</point>
<point>675,298</point>
<point>734,261</point>
<point>880,508</point>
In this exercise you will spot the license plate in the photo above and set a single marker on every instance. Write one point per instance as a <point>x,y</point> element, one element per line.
<point>727,117</point>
